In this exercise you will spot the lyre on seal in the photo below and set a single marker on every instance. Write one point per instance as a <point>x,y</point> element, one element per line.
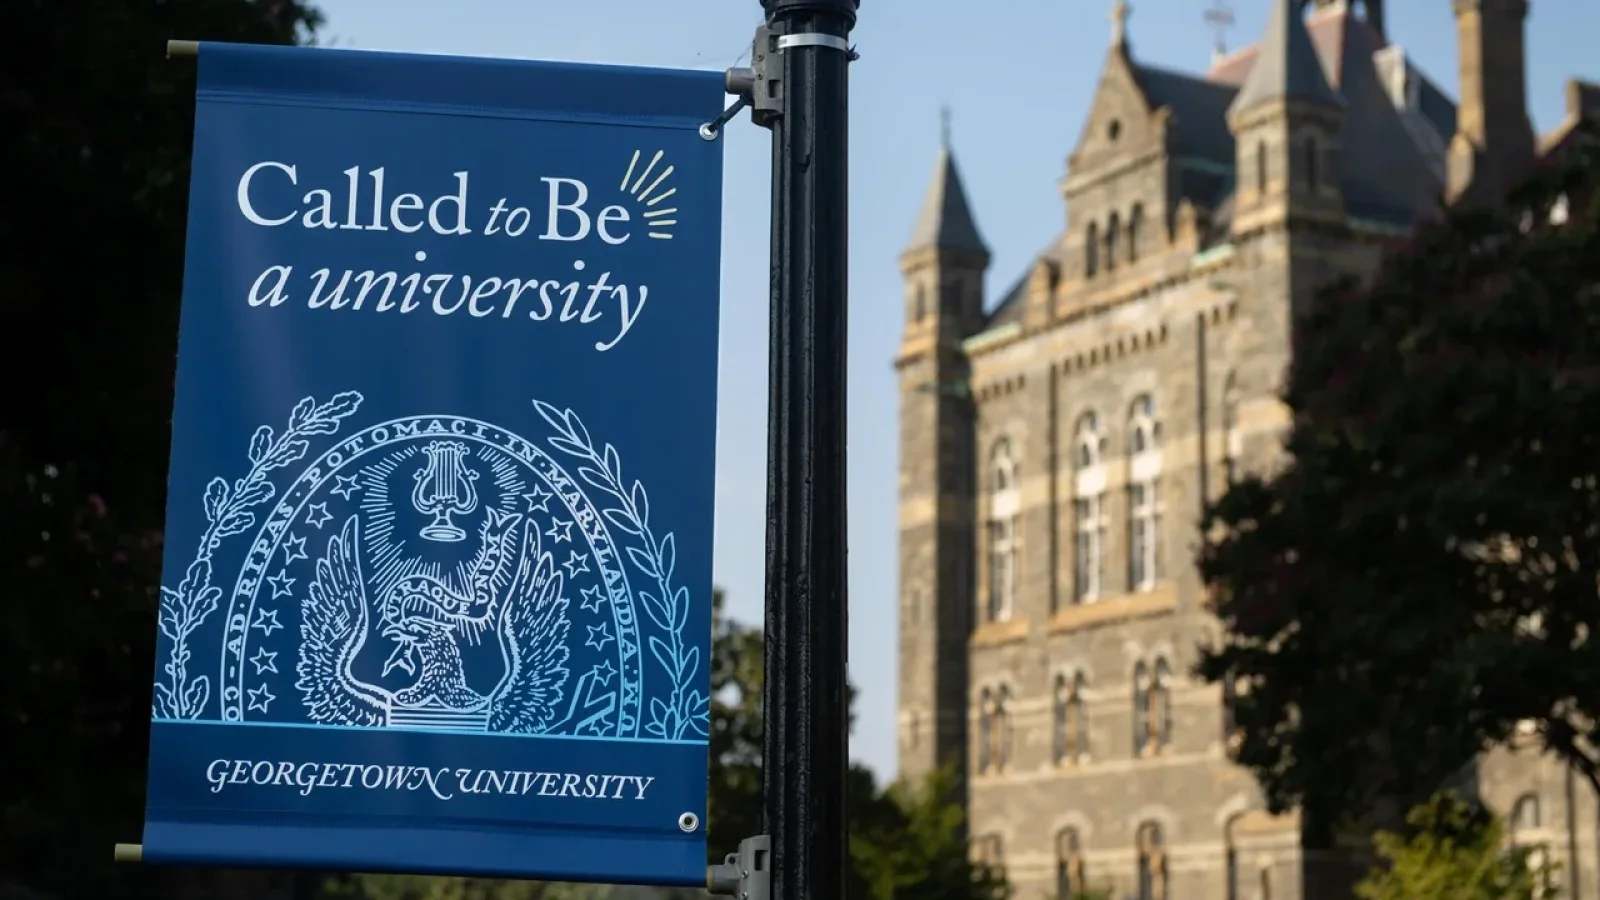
<point>444,489</point>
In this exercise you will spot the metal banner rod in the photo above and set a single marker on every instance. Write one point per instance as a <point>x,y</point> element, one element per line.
<point>804,47</point>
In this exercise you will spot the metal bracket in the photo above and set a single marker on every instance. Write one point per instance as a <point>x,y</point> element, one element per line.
<point>760,86</point>
<point>747,874</point>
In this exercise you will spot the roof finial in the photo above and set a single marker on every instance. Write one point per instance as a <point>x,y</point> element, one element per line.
<point>944,126</point>
<point>1220,18</point>
<point>1119,22</point>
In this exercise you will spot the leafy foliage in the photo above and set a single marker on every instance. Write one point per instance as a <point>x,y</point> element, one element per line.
<point>906,843</point>
<point>734,792</point>
<point>97,139</point>
<point>1453,851</point>
<point>912,846</point>
<point>1420,575</point>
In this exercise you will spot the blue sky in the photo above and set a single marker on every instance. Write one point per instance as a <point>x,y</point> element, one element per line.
<point>1018,79</point>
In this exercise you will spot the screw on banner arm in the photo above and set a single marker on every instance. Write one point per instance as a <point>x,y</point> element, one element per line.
<point>760,86</point>
<point>747,874</point>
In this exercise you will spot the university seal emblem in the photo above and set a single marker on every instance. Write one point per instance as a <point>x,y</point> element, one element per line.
<point>434,572</point>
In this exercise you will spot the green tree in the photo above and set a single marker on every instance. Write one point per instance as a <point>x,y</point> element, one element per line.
<point>734,792</point>
<point>913,847</point>
<point>1419,575</point>
<point>907,842</point>
<point>1454,851</point>
<point>97,142</point>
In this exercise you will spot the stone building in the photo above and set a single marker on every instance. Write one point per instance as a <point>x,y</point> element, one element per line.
<point>1057,444</point>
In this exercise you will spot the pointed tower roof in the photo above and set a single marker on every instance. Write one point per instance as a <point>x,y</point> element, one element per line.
<point>1286,65</point>
<point>946,219</point>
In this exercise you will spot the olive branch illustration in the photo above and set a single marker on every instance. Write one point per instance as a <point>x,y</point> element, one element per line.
<point>668,607</point>
<point>228,513</point>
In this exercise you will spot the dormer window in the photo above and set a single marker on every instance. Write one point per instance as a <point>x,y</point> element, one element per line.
<point>1112,226</point>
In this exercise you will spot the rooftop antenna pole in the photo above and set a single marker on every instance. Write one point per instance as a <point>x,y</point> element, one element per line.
<point>1220,18</point>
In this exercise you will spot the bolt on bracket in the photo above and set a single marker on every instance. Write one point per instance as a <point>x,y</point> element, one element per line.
<point>746,875</point>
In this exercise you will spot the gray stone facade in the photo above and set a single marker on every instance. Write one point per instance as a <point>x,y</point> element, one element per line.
<point>1057,447</point>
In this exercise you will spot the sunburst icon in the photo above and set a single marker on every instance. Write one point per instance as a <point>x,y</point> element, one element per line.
<point>649,188</point>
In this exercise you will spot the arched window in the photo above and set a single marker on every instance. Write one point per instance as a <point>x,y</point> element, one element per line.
<point>1069,720</point>
<point>1526,821</point>
<point>1089,443</point>
<point>1261,166</point>
<point>1231,858</point>
<point>1161,704</point>
<point>1080,717</point>
<point>1091,250</point>
<point>986,728</point>
<point>1135,226</point>
<point>1313,163</point>
<point>919,305</point>
<point>913,607</point>
<point>1113,226</point>
<point>1525,815</point>
<point>1232,445</point>
<point>1232,690</point>
<point>988,851</point>
<point>1070,880</point>
<point>1152,708</point>
<point>1002,729</point>
<point>1142,738</point>
<point>1060,724</point>
<point>1144,495</point>
<point>1088,511</point>
<point>1004,517</point>
<point>1152,862</point>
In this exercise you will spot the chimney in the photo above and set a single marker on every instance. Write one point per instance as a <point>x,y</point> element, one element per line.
<point>1494,141</point>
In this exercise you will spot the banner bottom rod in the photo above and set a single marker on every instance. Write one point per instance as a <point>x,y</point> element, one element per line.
<point>128,853</point>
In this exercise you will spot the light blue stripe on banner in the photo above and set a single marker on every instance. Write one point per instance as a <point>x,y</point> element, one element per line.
<point>683,98</point>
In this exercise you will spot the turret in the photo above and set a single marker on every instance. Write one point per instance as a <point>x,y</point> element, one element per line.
<point>1286,121</point>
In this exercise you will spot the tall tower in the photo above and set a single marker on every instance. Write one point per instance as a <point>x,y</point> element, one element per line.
<point>1494,142</point>
<point>943,268</point>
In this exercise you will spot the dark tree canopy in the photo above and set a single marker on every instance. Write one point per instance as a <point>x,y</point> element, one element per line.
<point>96,142</point>
<point>1420,573</point>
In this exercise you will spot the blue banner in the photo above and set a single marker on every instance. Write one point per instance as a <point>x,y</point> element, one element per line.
<point>437,587</point>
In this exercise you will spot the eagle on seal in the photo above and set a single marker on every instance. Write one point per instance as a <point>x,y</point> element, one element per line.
<point>514,593</point>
